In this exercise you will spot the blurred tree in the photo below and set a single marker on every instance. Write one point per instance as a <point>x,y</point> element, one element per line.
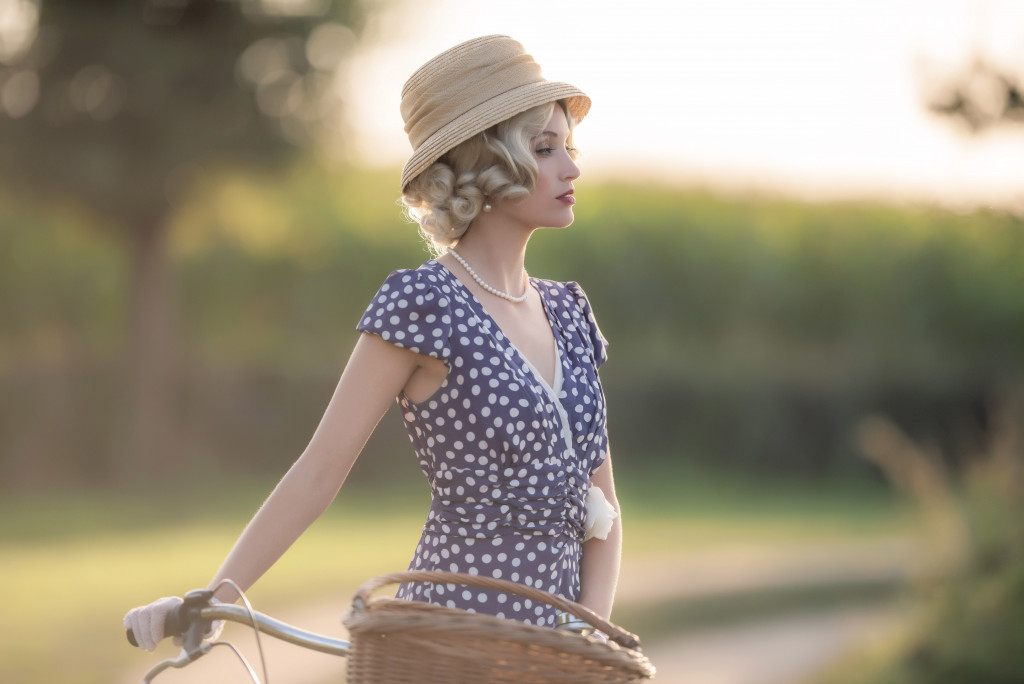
<point>119,104</point>
<point>981,97</point>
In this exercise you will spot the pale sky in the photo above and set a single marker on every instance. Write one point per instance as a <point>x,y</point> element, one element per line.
<point>817,98</point>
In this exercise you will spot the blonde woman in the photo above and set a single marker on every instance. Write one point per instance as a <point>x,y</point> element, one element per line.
<point>495,372</point>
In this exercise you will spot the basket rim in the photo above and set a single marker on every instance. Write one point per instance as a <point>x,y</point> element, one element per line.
<point>615,633</point>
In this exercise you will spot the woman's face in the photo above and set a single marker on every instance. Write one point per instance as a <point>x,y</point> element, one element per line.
<point>550,204</point>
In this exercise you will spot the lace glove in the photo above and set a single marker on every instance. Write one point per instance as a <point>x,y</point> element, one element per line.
<point>600,515</point>
<point>147,622</point>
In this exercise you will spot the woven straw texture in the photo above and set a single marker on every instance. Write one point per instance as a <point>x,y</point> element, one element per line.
<point>400,641</point>
<point>469,88</point>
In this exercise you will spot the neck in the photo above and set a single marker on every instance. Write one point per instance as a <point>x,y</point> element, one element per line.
<point>497,252</point>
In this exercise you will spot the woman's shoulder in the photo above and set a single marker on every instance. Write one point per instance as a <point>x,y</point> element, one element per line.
<point>429,272</point>
<point>411,310</point>
<point>427,280</point>
<point>415,286</point>
<point>568,294</point>
<point>573,312</point>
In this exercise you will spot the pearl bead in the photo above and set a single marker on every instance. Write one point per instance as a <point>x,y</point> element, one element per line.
<point>488,288</point>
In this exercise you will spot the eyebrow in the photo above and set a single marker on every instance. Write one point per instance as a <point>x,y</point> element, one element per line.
<point>548,134</point>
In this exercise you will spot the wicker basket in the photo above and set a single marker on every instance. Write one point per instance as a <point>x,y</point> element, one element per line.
<point>396,641</point>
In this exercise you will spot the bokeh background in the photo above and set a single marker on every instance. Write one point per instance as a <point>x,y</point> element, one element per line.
<point>801,225</point>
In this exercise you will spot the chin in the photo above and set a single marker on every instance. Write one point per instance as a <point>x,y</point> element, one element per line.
<point>563,221</point>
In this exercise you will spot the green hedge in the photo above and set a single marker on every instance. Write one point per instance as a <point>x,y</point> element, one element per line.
<point>748,332</point>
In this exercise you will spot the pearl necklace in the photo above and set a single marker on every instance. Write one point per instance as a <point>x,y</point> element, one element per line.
<point>493,290</point>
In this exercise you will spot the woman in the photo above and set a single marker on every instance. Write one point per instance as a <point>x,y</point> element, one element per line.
<point>495,372</point>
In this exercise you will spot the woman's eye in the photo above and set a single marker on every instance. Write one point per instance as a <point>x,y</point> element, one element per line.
<point>545,150</point>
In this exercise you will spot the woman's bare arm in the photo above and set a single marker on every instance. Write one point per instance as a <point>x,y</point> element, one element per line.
<point>599,568</point>
<point>376,372</point>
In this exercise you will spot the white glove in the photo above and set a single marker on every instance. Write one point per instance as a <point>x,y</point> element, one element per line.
<point>216,627</point>
<point>147,622</point>
<point>600,515</point>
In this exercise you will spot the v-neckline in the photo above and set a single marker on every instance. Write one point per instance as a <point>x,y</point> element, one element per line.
<point>553,389</point>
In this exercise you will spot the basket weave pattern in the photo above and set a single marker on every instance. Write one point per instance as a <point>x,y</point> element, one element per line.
<point>398,641</point>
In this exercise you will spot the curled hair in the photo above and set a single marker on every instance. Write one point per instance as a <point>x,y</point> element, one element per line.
<point>495,166</point>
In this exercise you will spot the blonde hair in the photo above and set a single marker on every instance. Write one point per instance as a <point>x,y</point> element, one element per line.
<point>497,165</point>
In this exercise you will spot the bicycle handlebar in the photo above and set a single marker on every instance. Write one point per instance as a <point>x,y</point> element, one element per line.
<point>197,609</point>
<point>277,629</point>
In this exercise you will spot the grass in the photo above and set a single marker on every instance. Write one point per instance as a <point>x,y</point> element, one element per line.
<point>72,563</point>
<point>684,510</point>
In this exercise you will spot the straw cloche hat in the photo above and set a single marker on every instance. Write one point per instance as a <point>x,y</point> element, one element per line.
<point>469,88</point>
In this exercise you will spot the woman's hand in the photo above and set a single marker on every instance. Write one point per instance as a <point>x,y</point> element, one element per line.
<point>147,622</point>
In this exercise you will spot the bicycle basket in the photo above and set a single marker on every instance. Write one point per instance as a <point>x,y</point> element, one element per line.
<point>396,641</point>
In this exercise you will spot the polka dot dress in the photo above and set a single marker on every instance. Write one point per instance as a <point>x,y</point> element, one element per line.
<point>508,458</point>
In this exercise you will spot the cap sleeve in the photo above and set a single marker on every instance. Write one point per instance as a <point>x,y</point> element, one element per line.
<point>410,311</point>
<point>593,333</point>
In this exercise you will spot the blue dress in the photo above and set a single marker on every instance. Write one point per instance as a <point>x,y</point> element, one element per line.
<point>508,457</point>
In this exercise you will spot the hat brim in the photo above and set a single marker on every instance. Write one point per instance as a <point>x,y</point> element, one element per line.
<point>491,113</point>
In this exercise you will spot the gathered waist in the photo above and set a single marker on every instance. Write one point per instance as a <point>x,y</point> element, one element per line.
<point>479,504</point>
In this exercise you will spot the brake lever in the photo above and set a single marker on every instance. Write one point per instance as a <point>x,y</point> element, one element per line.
<point>184,658</point>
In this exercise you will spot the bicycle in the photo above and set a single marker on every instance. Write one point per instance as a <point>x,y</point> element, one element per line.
<point>392,638</point>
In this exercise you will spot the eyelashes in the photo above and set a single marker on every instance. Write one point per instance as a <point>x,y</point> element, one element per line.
<point>544,151</point>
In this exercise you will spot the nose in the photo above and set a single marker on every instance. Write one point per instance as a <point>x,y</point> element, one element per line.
<point>571,171</point>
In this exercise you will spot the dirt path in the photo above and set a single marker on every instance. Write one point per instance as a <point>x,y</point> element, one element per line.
<point>776,651</point>
<point>773,651</point>
<point>725,570</point>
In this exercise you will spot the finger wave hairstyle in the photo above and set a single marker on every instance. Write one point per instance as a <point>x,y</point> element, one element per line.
<point>495,166</point>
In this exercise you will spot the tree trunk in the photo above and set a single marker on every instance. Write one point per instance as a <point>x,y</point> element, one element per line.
<point>153,355</point>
